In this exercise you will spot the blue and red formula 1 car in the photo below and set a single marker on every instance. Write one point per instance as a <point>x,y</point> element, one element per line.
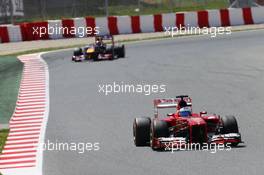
<point>100,50</point>
<point>182,126</point>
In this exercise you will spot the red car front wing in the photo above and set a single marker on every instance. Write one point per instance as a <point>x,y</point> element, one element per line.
<point>180,142</point>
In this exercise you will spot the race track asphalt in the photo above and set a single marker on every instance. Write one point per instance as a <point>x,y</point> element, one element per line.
<point>223,75</point>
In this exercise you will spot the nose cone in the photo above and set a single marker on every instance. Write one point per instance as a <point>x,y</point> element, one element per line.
<point>196,121</point>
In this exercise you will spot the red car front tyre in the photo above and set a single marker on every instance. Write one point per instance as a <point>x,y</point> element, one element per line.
<point>141,131</point>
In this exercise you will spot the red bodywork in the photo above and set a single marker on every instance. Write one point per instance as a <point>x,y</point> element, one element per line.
<point>184,130</point>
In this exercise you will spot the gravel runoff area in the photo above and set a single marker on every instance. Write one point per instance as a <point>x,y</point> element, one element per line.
<point>13,48</point>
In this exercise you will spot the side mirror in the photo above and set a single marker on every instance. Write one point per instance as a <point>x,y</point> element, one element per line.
<point>203,112</point>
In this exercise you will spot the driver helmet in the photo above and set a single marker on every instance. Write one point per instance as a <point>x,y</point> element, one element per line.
<point>185,112</point>
<point>97,41</point>
<point>182,104</point>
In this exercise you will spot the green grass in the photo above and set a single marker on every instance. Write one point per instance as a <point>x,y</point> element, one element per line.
<point>3,136</point>
<point>10,76</point>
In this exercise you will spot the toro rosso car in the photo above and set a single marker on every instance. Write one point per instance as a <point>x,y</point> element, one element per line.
<point>100,50</point>
<point>182,126</point>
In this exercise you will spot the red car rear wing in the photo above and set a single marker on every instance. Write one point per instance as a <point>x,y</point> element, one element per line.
<point>166,103</point>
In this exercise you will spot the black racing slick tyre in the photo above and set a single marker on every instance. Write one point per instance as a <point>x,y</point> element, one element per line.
<point>141,131</point>
<point>158,129</point>
<point>122,52</point>
<point>229,125</point>
<point>95,56</point>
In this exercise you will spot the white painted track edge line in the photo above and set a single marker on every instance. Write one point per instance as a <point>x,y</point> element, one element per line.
<point>45,119</point>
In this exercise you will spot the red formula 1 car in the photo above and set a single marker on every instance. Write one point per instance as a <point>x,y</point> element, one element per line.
<point>182,126</point>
